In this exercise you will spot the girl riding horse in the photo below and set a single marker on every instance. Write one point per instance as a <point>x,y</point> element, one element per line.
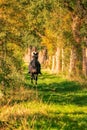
<point>34,67</point>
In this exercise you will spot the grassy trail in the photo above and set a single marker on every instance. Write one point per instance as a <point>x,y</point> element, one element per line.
<point>55,104</point>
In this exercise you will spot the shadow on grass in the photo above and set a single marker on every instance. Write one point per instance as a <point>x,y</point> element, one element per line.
<point>54,91</point>
<point>62,93</point>
<point>57,122</point>
<point>51,121</point>
<point>59,91</point>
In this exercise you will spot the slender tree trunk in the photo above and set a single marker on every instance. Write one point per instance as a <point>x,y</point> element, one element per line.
<point>75,28</point>
<point>62,60</point>
<point>49,62</point>
<point>84,66</point>
<point>27,57</point>
<point>53,64</point>
<point>58,60</point>
<point>29,53</point>
<point>40,58</point>
<point>44,56</point>
<point>72,61</point>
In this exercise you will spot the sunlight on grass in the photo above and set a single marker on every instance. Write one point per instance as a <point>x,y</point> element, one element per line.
<point>48,112</point>
<point>55,104</point>
<point>37,107</point>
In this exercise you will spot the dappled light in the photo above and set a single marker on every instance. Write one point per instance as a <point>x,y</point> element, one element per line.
<point>43,64</point>
<point>59,103</point>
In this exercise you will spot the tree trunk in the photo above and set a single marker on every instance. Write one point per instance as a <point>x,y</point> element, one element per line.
<point>29,53</point>
<point>40,57</point>
<point>58,60</point>
<point>44,56</point>
<point>27,57</point>
<point>49,62</point>
<point>75,28</point>
<point>53,64</point>
<point>84,66</point>
<point>72,61</point>
<point>62,60</point>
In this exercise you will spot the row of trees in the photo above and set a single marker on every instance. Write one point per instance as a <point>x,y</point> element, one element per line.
<point>59,26</point>
<point>12,29</point>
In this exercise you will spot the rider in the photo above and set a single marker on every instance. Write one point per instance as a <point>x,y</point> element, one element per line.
<point>34,53</point>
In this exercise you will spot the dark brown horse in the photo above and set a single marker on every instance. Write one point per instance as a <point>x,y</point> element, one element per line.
<point>34,69</point>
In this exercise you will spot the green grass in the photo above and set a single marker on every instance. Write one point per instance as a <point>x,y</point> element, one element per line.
<point>54,104</point>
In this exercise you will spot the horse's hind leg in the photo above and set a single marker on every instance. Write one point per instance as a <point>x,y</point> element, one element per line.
<point>32,78</point>
<point>35,82</point>
<point>36,77</point>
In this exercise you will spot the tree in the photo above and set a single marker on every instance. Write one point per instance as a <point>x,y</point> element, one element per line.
<point>12,25</point>
<point>78,11</point>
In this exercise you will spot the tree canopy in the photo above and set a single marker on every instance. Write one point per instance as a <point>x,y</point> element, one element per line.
<point>52,23</point>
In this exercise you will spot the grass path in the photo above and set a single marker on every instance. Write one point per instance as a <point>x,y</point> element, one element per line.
<point>55,104</point>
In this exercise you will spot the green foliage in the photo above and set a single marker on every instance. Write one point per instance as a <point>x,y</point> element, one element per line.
<point>11,67</point>
<point>69,38</point>
<point>30,22</point>
<point>83,29</point>
<point>84,3</point>
<point>12,24</point>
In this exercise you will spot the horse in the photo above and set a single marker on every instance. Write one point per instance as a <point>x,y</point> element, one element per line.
<point>34,69</point>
